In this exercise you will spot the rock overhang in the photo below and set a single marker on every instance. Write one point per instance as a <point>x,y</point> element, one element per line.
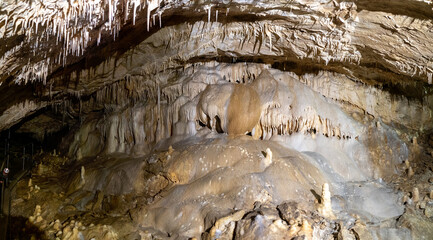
<point>122,40</point>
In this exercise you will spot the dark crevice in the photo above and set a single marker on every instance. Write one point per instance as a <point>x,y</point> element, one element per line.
<point>414,9</point>
<point>373,73</point>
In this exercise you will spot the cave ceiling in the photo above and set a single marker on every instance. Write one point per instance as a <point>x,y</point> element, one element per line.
<point>51,51</point>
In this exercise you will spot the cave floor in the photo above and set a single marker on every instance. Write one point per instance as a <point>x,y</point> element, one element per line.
<point>183,190</point>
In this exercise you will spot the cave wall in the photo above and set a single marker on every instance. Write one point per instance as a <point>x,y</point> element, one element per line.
<point>83,49</point>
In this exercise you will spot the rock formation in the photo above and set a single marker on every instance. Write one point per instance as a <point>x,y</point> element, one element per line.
<point>213,119</point>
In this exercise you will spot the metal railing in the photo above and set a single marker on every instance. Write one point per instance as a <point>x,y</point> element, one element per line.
<point>15,175</point>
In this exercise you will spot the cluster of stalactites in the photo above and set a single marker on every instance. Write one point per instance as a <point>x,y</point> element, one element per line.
<point>273,122</point>
<point>70,23</point>
<point>129,90</point>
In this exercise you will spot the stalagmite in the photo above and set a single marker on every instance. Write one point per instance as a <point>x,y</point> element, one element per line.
<point>378,125</point>
<point>57,225</point>
<point>307,230</point>
<point>82,174</point>
<point>325,207</point>
<point>410,172</point>
<point>268,158</point>
<point>36,218</point>
<point>415,195</point>
<point>407,163</point>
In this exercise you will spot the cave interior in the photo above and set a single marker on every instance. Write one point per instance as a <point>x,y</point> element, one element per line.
<point>205,119</point>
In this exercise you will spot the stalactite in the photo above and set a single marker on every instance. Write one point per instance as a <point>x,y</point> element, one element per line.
<point>110,14</point>
<point>148,16</point>
<point>134,10</point>
<point>208,13</point>
<point>69,22</point>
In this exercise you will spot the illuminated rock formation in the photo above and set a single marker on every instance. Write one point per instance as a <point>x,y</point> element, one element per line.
<point>219,119</point>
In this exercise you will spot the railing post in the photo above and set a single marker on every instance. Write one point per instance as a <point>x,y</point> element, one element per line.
<point>24,157</point>
<point>7,165</point>
<point>2,198</point>
<point>8,152</point>
<point>9,215</point>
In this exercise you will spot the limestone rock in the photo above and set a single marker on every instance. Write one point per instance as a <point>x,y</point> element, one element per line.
<point>225,226</point>
<point>428,211</point>
<point>345,234</point>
